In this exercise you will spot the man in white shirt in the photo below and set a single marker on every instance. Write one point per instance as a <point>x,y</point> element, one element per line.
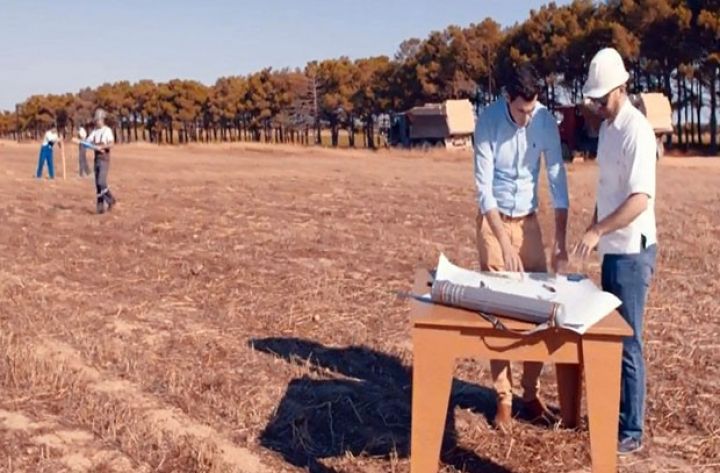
<point>83,168</point>
<point>102,137</point>
<point>623,226</point>
<point>46,152</point>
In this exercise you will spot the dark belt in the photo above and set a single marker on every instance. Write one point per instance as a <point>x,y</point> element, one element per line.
<point>508,218</point>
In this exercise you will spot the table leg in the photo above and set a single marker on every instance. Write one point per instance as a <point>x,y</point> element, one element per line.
<point>601,361</point>
<point>432,378</point>
<point>569,380</point>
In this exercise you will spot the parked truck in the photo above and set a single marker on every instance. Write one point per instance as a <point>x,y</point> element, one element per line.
<point>446,125</point>
<point>580,125</point>
<point>658,111</point>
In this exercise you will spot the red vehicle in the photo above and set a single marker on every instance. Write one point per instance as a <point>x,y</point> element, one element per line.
<point>579,129</point>
<point>580,126</point>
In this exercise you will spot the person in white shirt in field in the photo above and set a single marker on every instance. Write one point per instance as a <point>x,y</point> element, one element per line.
<point>103,139</point>
<point>83,168</point>
<point>623,226</point>
<point>50,139</point>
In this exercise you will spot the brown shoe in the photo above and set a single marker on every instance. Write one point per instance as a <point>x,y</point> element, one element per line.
<point>537,412</point>
<point>503,417</point>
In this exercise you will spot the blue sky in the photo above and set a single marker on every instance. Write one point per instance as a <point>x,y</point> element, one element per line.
<point>60,46</point>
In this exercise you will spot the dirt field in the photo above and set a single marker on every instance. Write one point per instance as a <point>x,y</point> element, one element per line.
<point>235,313</point>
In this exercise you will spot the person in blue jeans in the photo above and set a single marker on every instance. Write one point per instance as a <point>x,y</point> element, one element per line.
<point>46,153</point>
<point>623,226</point>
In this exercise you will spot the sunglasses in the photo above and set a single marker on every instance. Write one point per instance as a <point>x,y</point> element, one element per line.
<point>602,101</point>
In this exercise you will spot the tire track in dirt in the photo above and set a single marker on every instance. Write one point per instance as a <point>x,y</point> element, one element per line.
<point>61,448</point>
<point>158,416</point>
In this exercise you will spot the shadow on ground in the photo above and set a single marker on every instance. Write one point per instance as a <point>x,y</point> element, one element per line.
<point>369,413</point>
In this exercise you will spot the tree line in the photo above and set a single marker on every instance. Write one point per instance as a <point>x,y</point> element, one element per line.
<point>671,46</point>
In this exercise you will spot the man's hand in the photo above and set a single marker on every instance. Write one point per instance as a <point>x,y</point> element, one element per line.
<point>512,260</point>
<point>559,258</point>
<point>588,242</point>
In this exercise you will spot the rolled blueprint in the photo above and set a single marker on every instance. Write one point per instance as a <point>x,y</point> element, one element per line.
<point>484,300</point>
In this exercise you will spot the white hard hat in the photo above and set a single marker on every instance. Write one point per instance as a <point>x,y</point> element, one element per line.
<point>607,72</point>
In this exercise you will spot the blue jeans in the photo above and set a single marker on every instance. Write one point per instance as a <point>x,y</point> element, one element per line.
<point>46,156</point>
<point>628,277</point>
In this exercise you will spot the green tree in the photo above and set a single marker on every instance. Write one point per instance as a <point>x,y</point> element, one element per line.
<point>336,79</point>
<point>477,55</point>
<point>189,99</point>
<point>368,100</point>
<point>226,105</point>
<point>708,30</point>
<point>145,108</point>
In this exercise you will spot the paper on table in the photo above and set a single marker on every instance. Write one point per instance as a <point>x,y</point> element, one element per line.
<point>584,303</point>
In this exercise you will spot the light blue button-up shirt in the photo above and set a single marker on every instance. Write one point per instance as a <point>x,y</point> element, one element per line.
<point>507,161</point>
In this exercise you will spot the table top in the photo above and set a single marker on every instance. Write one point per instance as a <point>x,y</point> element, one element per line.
<point>424,313</point>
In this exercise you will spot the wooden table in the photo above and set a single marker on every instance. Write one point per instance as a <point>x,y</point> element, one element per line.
<point>443,334</point>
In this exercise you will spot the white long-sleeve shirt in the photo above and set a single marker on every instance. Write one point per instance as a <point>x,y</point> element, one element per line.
<point>51,137</point>
<point>101,136</point>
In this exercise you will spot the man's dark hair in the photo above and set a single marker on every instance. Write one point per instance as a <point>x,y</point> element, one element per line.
<point>524,82</point>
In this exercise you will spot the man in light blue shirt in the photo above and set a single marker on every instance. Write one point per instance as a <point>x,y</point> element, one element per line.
<point>510,136</point>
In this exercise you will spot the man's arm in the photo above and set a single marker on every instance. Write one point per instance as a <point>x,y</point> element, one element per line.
<point>559,258</point>
<point>624,215</point>
<point>484,175</point>
<point>593,221</point>
<point>557,179</point>
<point>105,148</point>
<point>620,218</point>
<point>484,166</point>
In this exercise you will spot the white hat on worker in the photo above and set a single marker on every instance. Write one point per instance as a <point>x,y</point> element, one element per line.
<point>607,72</point>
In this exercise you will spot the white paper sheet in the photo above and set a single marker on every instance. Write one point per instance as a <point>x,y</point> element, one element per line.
<point>584,303</point>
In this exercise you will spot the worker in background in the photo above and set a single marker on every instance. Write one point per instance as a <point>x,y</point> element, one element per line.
<point>83,168</point>
<point>103,139</point>
<point>510,136</point>
<point>46,152</point>
<point>623,224</point>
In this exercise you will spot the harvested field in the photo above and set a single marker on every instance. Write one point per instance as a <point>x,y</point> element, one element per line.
<point>235,313</point>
